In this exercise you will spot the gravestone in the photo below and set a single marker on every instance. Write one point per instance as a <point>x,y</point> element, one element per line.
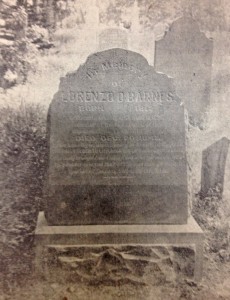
<point>186,55</point>
<point>213,166</point>
<point>117,145</point>
<point>113,38</point>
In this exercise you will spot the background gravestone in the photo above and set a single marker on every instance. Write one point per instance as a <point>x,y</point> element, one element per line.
<point>113,38</point>
<point>186,55</point>
<point>213,166</point>
<point>117,145</point>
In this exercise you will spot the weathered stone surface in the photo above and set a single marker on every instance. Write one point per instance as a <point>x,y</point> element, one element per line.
<point>117,145</point>
<point>186,55</point>
<point>128,249</point>
<point>213,166</point>
<point>113,38</point>
<point>120,264</point>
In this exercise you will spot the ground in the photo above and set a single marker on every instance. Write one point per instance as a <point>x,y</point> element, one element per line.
<point>215,285</point>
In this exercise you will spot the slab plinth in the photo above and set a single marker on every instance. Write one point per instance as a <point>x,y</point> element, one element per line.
<point>99,235</point>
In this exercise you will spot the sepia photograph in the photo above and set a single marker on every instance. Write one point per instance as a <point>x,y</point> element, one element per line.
<point>114,149</point>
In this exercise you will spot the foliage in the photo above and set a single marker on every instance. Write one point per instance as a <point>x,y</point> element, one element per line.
<point>20,56</point>
<point>211,213</point>
<point>23,144</point>
<point>19,59</point>
<point>211,15</point>
<point>19,19</point>
<point>36,32</point>
<point>24,157</point>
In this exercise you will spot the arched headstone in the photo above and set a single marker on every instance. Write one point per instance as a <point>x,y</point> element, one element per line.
<point>117,145</point>
<point>185,54</point>
<point>113,38</point>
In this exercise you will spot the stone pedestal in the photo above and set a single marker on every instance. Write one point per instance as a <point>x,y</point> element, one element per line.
<point>99,235</point>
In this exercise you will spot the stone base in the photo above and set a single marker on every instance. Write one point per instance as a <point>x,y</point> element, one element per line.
<point>119,235</point>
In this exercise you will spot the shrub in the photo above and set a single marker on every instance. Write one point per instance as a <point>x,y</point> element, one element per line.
<point>18,59</point>
<point>23,144</point>
<point>24,156</point>
<point>211,213</point>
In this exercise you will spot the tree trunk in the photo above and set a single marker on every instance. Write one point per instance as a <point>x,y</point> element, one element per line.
<point>50,12</point>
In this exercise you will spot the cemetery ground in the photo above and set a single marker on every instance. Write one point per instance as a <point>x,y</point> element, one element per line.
<point>24,152</point>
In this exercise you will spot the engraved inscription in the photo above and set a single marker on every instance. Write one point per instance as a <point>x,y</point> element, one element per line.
<point>99,154</point>
<point>108,96</point>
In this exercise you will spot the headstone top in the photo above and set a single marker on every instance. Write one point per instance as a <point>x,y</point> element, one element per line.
<point>92,18</point>
<point>187,25</point>
<point>185,54</point>
<point>185,32</point>
<point>119,69</point>
<point>135,18</point>
<point>113,38</point>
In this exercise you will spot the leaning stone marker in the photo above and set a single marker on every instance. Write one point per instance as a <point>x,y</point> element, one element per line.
<point>117,145</point>
<point>213,166</point>
<point>186,55</point>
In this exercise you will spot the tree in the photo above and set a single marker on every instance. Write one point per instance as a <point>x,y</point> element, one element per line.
<point>22,3</point>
